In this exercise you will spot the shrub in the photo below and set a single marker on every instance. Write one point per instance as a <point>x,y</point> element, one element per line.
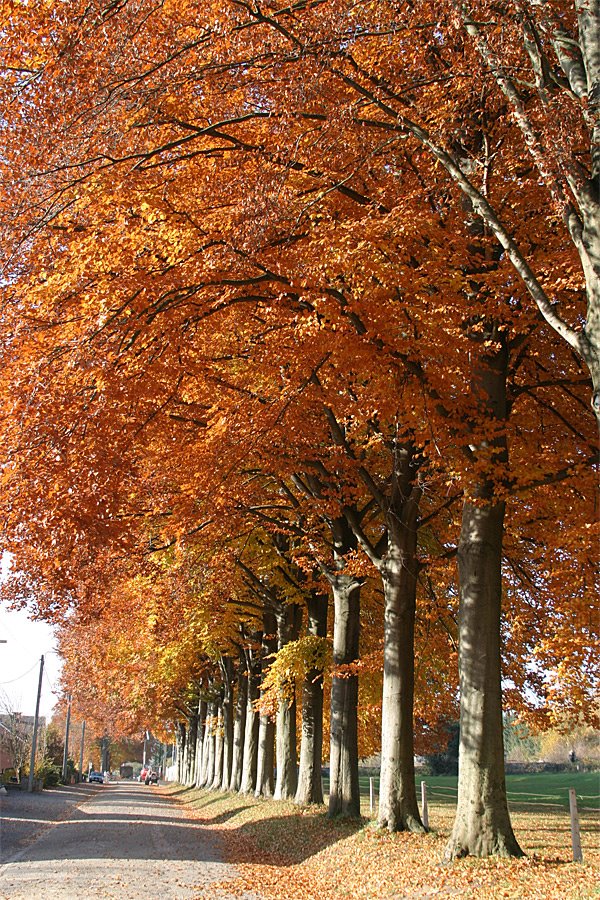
<point>48,773</point>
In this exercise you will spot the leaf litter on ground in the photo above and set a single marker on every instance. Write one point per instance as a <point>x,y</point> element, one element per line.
<point>283,852</point>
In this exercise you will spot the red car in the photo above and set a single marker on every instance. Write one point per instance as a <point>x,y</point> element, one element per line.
<point>144,773</point>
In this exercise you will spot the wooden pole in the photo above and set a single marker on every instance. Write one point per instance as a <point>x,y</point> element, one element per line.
<point>66,749</point>
<point>575,834</point>
<point>35,729</point>
<point>81,750</point>
<point>424,809</point>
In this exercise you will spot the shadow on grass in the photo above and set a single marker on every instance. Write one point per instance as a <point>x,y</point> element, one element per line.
<point>269,837</point>
<point>199,797</point>
<point>286,840</point>
<point>222,817</point>
<point>179,791</point>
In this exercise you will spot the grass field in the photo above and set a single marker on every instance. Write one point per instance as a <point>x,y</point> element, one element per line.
<point>286,853</point>
<point>543,788</point>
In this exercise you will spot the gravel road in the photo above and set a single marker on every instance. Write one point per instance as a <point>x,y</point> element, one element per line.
<point>123,840</point>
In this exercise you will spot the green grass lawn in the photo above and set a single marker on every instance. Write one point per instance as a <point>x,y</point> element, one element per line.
<point>544,788</point>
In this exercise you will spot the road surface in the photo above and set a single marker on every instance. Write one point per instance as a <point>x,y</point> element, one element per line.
<point>122,840</point>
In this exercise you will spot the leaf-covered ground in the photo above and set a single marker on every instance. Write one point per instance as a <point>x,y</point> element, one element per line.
<point>290,854</point>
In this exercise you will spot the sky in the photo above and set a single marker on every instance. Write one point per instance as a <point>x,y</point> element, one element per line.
<point>26,641</point>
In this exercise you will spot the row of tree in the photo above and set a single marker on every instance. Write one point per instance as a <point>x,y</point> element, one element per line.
<point>300,313</point>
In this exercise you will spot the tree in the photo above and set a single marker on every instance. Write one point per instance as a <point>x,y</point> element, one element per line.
<point>272,245</point>
<point>15,735</point>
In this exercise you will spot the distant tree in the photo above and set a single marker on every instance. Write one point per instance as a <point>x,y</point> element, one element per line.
<point>55,745</point>
<point>520,744</point>
<point>445,762</point>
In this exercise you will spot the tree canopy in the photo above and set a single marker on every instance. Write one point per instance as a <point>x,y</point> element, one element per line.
<point>300,300</point>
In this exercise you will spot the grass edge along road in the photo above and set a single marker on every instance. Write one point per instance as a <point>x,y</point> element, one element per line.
<point>284,852</point>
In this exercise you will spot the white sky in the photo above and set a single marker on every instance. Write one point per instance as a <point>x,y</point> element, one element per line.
<point>26,641</point>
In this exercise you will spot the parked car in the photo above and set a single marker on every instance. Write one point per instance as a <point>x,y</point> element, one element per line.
<point>151,777</point>
<point>143,773</point>
<point>96,777</point>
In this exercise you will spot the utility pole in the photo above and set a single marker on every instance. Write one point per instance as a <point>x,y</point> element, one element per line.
<point>81,752</point>
<point>35,728</point>
<point>66,751</point>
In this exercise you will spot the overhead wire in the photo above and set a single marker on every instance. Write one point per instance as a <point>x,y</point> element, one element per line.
<point>12,680</point>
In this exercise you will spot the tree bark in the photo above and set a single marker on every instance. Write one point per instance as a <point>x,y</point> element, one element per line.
<point>398,808</point>
<point>265,777</point>
<point>190,746</point>
<point>310,783</point>
<point>395,557</point>
<point>180,742</point>
<point>226,665</point>
<point>248,784</point>
<point>210,750</point>
<point>203,773</point>
<point>202,708</point>
<point>482,826</point>
<point>265,769</point>
<point>344,793</point>
<point>239,726</point>
<point>219,746</point>
<point>289,617</point>
<point>184,756</point>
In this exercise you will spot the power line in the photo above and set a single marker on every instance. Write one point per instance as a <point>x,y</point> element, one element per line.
<point>53,685</point>
<point>12,680</point>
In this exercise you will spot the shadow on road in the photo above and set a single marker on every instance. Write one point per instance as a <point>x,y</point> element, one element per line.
<point>132,821</point>
<point>116,821</point>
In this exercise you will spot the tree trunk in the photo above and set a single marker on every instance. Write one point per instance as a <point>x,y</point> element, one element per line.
<point>251,733</point>
<point>310,783</point>
<point>285,743</point>
<point>180,742</point>
<point>289,617</point>
<point>184,756</point>
<point>344,795</point>
<point>211,738</point>
<point>265,770</point>
<point>219,746</point>
<point>190,745</point>
<point>398,809</point>
<point>202,709</point>
<point>239,726</point>
<point>226,665</point>
<point>482,826</point>
<point>203,776</point>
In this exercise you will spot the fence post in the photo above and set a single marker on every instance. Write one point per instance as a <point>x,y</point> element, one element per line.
<point>575,835</point>
<point>371,794</point>
<point>425,813</point>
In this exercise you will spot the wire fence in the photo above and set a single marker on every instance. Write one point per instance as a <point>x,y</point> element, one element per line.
<point>525,798</point>
<point>575,806</point>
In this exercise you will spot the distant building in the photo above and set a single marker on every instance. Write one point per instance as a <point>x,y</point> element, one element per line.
<point>15,728</point>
